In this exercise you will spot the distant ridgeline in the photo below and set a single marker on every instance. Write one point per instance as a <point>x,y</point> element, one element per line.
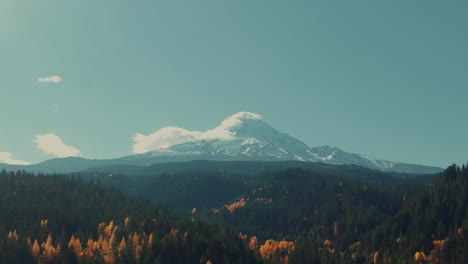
<point>210,184</point>
<point>329,214</point>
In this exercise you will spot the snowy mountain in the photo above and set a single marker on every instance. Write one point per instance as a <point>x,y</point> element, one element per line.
<point>245,136</point>
<point>241,137</point>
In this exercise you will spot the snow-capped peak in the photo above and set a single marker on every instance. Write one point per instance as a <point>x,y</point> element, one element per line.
<point>229,127</point>
<point>237,120</point>
<point>242,136</point>
<point>171,136</point>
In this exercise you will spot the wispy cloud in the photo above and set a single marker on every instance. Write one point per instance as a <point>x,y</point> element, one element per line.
<point>8,158</point>
<point>52,144</point>
<point>50,79</point>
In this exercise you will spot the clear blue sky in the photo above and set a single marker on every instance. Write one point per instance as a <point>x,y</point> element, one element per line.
<point>383,78</point>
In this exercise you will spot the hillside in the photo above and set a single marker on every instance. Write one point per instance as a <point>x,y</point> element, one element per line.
<point>295,215</point>
<point>205,184</point>
<point>55,219</point>
<point>433,227</point>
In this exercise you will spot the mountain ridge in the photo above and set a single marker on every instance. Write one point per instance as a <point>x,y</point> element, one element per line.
<point>245,136</point>
<point>241,137</point>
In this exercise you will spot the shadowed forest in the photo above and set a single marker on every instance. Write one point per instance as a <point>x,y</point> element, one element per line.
<point>291,215</point>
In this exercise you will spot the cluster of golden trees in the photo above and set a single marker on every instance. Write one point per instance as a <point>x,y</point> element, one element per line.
<point>44,223</point>
<point>13,235</point>
<point>242,202</point>
<point>110,245</point>
<point>272,250</point>
<point>46,252</point>
<point>434,256</point>
<point>237,204</point>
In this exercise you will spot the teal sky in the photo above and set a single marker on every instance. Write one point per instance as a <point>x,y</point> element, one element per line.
<point>383,78</point>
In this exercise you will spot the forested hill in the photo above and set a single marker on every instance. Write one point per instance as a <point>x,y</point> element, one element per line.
<point>286,216</point>
<point>208,184</point>
<point>432,228</point>
<point>56,219</point>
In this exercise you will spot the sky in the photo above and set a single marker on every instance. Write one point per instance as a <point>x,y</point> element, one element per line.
<point>382,78</point>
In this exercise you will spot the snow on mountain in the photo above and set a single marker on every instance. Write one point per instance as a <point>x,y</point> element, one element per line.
<point>243,136</point>
<point>171,136</point>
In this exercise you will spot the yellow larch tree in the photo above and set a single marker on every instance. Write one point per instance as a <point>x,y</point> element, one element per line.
<point>138,250</point>
<point>375,258</point>
<point>122,245</point>
<point>49,250</point>
<point>136,239</point>
<point>77,248</point>
<point>35,250</point>
<point>253,244</point>
<point>108,230</point>
<point>72,241</point>
<point>151,240</point>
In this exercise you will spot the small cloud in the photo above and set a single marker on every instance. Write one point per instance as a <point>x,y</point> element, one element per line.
<point>53,145</point>
<point>8,158</point>
<point>50,79</point>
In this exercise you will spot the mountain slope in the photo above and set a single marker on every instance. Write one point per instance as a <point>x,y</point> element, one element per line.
<point>432,228</point>
<point>207,184</point>
<point>57,219</point>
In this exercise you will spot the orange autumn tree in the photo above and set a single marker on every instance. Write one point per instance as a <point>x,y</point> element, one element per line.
<point>105,249</point>
<point>35,250</point>
<point>253,243</point>
<point>49,252</point>
<point>75,245</point>
<point>237,204</point>
<point>277,251</point>
<point>13,235</point>
<point>150,240</point>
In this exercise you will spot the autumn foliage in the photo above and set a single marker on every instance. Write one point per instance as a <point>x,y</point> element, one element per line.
<point>277,250</point>
<point>235,205</point>
<point>110,245</point>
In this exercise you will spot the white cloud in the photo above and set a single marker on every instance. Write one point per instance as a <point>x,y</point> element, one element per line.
<point>171,136</point>
<point>164,138</point>
<point>52,144</point>
<point>8,158</point>
<point>50,79</point>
